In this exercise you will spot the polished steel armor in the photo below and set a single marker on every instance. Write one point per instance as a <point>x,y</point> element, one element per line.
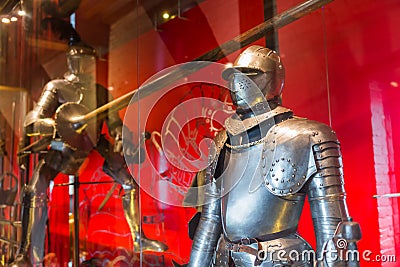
<point>267,162</point>
<point>70,144</point>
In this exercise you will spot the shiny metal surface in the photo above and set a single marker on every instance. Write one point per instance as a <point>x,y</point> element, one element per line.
<point>81,59</point>
<point>82,135</point>
<point>235,125</point>
<point>34,215</point>
<point>293,162</point>
<point>292,157</point>
<point>257,60</point>
<point>209,229</point>
<point>132,214</point>
<point>246,91</point>
<point>251,209</point>
<point>286,251</point>
<point>328,199</point>
<point>243,212</point>
<point>72,142</point>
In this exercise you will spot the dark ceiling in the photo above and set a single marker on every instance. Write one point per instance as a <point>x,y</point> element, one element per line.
<point>94,18</point>
<point>6,6</point>
<point>109,11</point>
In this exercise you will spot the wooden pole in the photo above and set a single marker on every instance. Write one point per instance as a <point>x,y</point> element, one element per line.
<point>246,38</point>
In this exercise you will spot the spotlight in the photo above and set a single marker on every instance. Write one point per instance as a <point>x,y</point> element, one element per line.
<point>5,20</point>
<point>165,15</point>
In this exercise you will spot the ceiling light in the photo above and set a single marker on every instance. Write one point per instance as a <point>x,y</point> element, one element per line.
<point>14,19</point>
<point>5,20</point>
<point>165,15</point>
<point>21,13</point>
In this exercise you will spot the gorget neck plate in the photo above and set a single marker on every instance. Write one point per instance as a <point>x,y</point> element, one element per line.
<point>234,125</point>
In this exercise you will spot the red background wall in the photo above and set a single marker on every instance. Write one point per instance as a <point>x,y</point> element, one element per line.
<point>342,66</point>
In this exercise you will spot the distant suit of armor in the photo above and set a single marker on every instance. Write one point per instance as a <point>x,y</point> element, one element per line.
<point>264,165</point>
<point>74,95</point>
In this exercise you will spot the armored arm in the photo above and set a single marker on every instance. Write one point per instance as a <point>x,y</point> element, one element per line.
<point>209,229</point>
<point>39,120</point>
<point>335,232</point>
<point>210,226</point>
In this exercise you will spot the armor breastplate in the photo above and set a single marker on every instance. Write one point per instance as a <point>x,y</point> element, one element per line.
<point>249,209</point>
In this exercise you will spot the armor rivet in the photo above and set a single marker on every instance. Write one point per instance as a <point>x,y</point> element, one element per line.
<point>266,183</point>
<point>277,160</point>
<point>283,170</point>
<point>281,191</point>
<point>265,174</point>
<point>282,181</point>
<point>321,184</point>
<point>288,160</point>
<point>293,175</point>
<point>295,170</point>
<point>273,141</point>
<point>273,189</point>
<point>273,175</point>
<point>304,177</point>
<point>263,166</point>
<point>293,164</point>
<point>276,179</point>
<point>263,157</point>
<point>290,190</point>
<point>282,158</point>
<point>316,133</point>
<point>298,184</point>
<point>273,164</point>
<point>271,170</point>
<point>319,141</point>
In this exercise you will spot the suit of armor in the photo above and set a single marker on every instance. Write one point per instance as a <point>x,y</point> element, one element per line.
<point>61,99</point>
<point>265,163</point>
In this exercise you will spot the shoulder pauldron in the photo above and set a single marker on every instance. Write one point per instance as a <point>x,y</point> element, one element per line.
<point>288,153</point>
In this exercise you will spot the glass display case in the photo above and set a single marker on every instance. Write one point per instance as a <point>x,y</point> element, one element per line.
<point>156,73</point>
<point>13,107</point>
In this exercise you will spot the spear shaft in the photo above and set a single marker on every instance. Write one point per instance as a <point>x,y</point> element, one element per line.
<point>246,38</point>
